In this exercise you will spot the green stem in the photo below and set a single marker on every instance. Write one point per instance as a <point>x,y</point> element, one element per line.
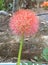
<point>20,50</point>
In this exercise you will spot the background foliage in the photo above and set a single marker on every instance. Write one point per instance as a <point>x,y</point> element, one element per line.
<point>5,4</point>
<point>1,4</point>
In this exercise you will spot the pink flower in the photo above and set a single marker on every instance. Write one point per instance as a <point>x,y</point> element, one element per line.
<point>24,22</point>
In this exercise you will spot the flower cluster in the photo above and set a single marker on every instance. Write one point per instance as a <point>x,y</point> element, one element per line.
<point>44,4</point>
<point>24,22</point>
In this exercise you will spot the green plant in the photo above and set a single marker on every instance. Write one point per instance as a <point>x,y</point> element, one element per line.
<point>45,54</point>
<point>1,4</point>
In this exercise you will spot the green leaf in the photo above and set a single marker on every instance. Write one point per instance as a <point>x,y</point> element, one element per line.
<point>45,54</point>
<point>29,62</point>
<point>1,4</point>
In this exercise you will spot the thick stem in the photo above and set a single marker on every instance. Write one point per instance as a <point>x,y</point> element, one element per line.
<point>20,50</point>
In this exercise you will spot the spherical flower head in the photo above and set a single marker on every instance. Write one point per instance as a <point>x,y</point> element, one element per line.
<point>24,22</point>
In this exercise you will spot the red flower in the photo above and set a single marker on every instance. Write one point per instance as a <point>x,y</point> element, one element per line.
<point>24,22</point>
